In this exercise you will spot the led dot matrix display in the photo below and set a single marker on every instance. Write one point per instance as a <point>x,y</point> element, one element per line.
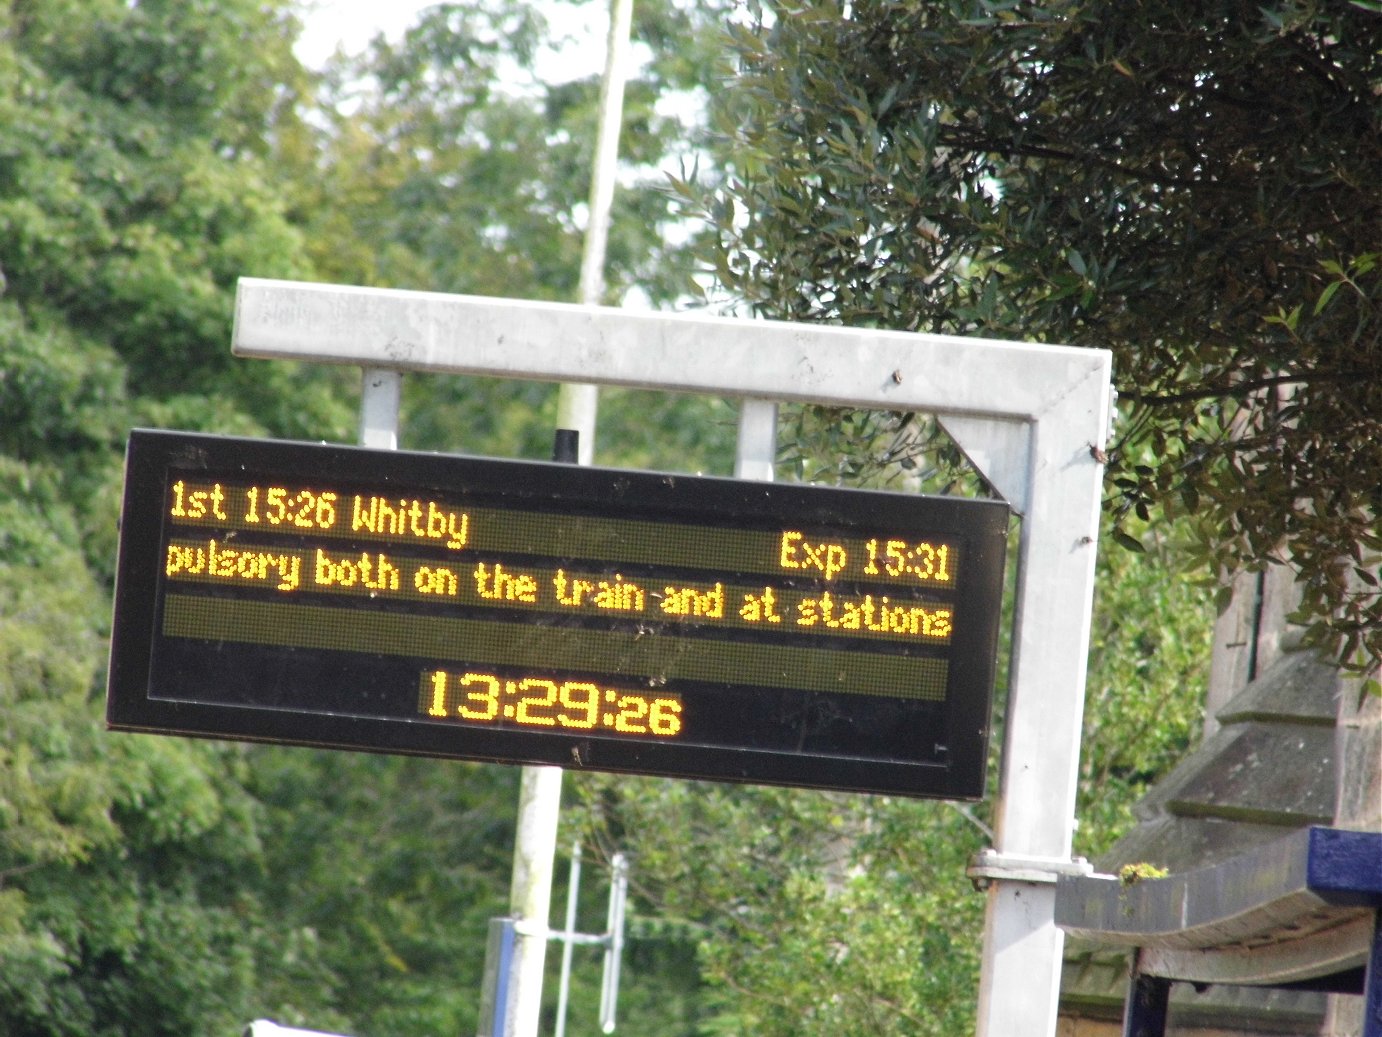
<point>540,613</point>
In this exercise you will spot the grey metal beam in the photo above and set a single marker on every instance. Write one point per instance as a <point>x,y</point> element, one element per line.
<point>457,334</point>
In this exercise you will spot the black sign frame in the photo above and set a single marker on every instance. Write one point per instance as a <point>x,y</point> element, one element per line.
<point>197,686</point>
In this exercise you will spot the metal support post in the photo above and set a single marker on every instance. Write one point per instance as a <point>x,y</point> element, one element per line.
<point>1033,418</point>
<point>612,940</point>
<point>1059,490</point>
<point>756,453</point>
<point>1372,984</point>
<point>577,404</point>
<point>535,847</point>
<point>540,799</point>
<point>614,948</point>
<point>1149,999</point>
<point>568,945</point>
<point>380,391</point>
<point>494,987</point>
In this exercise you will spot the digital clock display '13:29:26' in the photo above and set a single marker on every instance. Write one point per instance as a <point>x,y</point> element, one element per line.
<point>539,702</point>
<point>540,613</point>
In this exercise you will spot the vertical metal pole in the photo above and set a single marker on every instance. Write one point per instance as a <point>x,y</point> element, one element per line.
<point>756,453</point>
<point>577,404</point>
<point>602,178</point>
<point>1020,969</point>
<point>540,796</point>
<point>539,809</point>
<point>1149,999</point>
<point>380,390</point>
<point>614,949</point>
<point>1372,984</point>
<point>573,887</point>
<point>534,856</point>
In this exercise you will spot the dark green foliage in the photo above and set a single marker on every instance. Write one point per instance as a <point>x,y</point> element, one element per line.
<point>115,910</point>
<point>130,202</point>
<point>1193,187</point>
<point>813,913</point>
<point>147,155</point>
<point>1148,666</point>
<point>385,870</point>
<point>131,196</point>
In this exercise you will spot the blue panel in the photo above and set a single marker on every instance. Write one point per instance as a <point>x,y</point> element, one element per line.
<point>1148,1002</point>
<point>1345,866</point>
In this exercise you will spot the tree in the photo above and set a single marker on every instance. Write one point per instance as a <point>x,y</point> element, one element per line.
<point>133,190</point>
<point>1192,187</point>
<point>812,913</point>
<point>444,162</point>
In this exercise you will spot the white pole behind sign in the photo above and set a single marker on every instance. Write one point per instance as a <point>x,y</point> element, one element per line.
<point>539,803</point>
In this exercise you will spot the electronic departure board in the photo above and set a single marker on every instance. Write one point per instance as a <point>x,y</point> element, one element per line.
<point>539,613</point>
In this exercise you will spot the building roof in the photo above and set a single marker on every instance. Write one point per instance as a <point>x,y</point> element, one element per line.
<point>1296,745</point>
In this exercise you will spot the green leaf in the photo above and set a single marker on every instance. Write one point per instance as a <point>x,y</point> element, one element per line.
<point>1127,540</point>
<point>1326,295</point>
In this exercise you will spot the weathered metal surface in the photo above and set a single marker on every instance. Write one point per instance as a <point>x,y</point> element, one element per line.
<point>429,331</point>
<point>1299,908</point>
<point>1279,958</point>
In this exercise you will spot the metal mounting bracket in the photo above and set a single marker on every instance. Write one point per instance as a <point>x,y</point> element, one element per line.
<point>986,866</point>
